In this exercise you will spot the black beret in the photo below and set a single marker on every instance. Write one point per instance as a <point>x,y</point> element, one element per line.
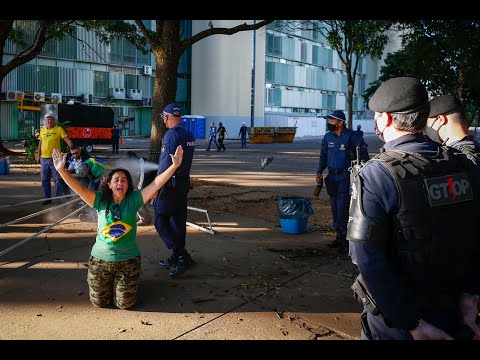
<point>444,104</point>
<point>400,95</point>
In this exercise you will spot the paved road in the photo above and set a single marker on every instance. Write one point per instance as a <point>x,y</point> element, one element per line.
<point>292,169</point>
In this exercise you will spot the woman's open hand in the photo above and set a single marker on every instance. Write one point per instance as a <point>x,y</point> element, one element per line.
<point>59,159</point>
<point>178,156</point>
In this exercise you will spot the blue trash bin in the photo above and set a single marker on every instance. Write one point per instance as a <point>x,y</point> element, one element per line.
<point>294,226</point>
<point>294,213</point>
<point>4,166</point>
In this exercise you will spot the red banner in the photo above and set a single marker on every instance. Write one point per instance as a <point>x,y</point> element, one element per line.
<point>89,133</point>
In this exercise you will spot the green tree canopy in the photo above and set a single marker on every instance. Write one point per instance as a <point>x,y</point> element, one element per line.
<point>443,54</point>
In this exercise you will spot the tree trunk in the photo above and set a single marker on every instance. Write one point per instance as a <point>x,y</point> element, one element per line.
<point>164,91</point>
<point>3,149</point>
<point>350,104</point>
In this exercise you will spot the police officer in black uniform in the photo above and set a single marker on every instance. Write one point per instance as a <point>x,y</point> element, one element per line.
<point>447,124</point>
<point>412,227</point>
<point>171,203</point>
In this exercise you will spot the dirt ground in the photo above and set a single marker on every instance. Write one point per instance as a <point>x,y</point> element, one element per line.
<point>255,203</point>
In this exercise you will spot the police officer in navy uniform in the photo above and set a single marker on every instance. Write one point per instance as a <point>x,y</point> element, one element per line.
<point>412,227</point>
<point>171,203</point>
<point>337,152</point>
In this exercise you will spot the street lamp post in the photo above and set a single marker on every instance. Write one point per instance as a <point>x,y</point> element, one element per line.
<point>252,96</point>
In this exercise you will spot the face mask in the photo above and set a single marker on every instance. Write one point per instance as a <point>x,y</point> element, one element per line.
<point>377,131</point>
<point>331,127</point>
<point>432,133</point>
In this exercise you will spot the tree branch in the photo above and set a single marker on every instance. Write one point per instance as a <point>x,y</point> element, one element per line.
<point>222,31</point>
<point>146,33</point>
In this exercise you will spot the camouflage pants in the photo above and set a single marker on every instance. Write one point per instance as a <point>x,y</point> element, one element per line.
<point>113,282</point>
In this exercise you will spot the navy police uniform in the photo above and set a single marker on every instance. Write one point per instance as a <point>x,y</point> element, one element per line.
<point>412,229</point>
<point>171,203</point>
<point>336,154</point>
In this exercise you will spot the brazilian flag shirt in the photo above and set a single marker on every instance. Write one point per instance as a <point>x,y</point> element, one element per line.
<point>97,166</point>
<point>116,239</point>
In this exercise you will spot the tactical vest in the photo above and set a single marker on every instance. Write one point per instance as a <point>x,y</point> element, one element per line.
<point>470,150</point>
<point>434,234</point>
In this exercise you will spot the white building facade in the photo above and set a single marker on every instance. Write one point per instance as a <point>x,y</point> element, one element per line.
<point>297,78</point>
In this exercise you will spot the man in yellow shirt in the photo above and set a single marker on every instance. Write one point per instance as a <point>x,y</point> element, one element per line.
<point>50,136</point>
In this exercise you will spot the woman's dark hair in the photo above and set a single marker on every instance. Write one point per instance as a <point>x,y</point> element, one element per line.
<point>107,194</point>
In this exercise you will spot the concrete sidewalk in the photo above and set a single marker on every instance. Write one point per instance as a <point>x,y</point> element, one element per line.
<point>250,280</point>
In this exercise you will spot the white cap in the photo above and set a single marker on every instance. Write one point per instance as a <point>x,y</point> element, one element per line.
<point>244,123</point>
<point>50,114</point>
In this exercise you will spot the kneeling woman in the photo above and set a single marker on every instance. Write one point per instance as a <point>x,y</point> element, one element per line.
<point>114,265</point>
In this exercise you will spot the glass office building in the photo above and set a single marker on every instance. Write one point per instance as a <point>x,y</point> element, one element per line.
<point>283,76</point>
<point>84,69</point>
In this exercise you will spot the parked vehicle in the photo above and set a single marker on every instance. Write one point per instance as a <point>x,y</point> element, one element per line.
<point>87,125</point>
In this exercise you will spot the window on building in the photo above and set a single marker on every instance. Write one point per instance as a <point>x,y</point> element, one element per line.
<point>131,81</point>
<point>329,101</point>
<point>344,84</point>
<point>289,47</point>
<point>326,57</point>
<point>303,52</point>
<point>100,83</point>
<point>273,97</point>
<point>116,51</point>
<point>270,72</point>
<point>355,104</point>
<point>315,55</point>
<point>361,83</point>
<point>274,45</point>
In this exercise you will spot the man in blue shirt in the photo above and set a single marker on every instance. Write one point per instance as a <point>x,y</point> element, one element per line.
<point>212,136</point>
<point>412,227</point>
<point>171,202</point>
<point>338,150</point>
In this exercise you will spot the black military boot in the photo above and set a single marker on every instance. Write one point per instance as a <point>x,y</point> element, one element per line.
<point>335,243</point>
<point>168,263</point>
<point>343,245</point>
<point>184,261</point>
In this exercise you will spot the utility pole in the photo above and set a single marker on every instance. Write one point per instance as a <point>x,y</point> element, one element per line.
<point>252,96</point>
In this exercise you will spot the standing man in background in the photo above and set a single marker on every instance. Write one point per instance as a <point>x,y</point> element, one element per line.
<point>222,133</point>
<point>337,153</point>
<point>213,136</point>
<point>171,202</point>
<point>50,136</point>
<point>115,139</point>
<point>243,135</point>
